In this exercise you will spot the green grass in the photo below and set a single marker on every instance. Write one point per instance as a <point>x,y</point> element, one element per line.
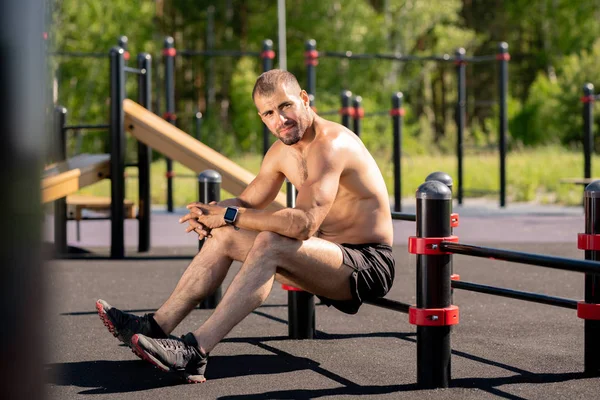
<point>532,175</point>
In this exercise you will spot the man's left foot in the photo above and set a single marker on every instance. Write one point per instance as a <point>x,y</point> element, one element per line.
<point>181,356</point>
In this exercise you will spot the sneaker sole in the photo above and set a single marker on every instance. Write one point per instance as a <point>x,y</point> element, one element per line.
<point>111,328</point>
<point>144,355</point>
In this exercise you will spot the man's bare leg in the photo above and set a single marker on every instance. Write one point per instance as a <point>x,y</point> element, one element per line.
<point>314,265</point>
<point>204,275</point>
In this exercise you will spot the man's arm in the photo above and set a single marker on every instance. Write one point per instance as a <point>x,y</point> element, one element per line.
<point>314,201</point>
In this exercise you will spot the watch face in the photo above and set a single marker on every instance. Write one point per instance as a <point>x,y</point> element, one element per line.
<point>230,214</point>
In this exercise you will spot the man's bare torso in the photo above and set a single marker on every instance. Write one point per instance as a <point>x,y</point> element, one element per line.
<point>361,211</point>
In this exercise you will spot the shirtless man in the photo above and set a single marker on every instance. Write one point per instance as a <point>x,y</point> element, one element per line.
<point>336,242</point>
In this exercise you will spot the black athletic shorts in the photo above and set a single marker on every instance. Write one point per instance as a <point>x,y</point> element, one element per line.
<point>373,275</point>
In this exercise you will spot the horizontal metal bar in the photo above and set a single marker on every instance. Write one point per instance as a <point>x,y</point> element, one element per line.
<point>393,57</point>
<point>135,70</point>
<point>540,260</point>
<point>385,113</point>
<point>389,304</point>
<point>516,294</point>
<point>480,59</point>
<point>404,216</point>
<point>84,126</point>
<point>218,53</point>
<point>78,54</point>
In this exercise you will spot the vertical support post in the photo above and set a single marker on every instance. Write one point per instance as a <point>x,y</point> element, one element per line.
<point>503,57</point>
<point>117,152</point>
<point>123,42</point>
<point>358,114</point>
<point>434,206</point>
<point>198,125</point>
<point>209,93</point>
<point>592,281</point>
<point>144,61</point>
<point>60,205</point>
<point>588,129</point>
<point>209,189</point>
<point>301,304</point>
<point>267,56</point>
<point>311,59</point>
<point>169,53</point>
<point>460,117</point>
<point>397,113</point>
<point>346,110</point>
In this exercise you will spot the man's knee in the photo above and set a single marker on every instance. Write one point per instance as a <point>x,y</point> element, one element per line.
<point>220,239</point>
<point>273,245</point>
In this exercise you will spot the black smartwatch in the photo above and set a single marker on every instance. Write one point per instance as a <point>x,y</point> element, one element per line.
<point>230,216</point>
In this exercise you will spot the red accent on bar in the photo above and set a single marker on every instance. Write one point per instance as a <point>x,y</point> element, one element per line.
<point>359,113</point>
<point>347,111</point>
<point>588,311</point>
<point>587,241</point>
<point>397,112</point>
<point>126,56</point>
<point>428,246</point>
<point>171,52</point>
<point>170,174</point>
<point>454,219</point>
<point>170,116</point>
<point>268,54</point>
<point>433,316</point>
<point>455,277</point>
<point>460,62</point>
<point>587,99</point>
<point>45,35</point>
<point>290,288</point>
<point>503,57</point>
<point>311,57</point>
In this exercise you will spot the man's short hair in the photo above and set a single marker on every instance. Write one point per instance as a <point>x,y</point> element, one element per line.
<point>268,82</point>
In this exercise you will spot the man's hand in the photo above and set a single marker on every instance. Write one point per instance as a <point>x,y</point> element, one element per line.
<point>210,216</point>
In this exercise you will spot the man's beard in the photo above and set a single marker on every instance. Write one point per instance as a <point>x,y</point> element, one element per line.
<point>291,137</point>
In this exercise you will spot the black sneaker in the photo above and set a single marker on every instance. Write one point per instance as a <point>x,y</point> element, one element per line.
<point>180,356</point>
<point>123,325</point>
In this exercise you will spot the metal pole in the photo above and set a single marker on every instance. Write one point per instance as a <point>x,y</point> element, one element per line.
<point>198,118</point>
<point>592,281</point>
<point>588,129</point>
<point>345,110</point>
<point>60,205</point>
<point>267,56</point>
<point>22,299</point>
<point>357,115</point>
<point>301,304</point>
<point>117,152</point>
<point>434,206</point>
<point>460,117</point>
<point>209,189</point>
<point>311,59</point>
<point>144,61</point>
<point>397,114</point>
<point>169,53</point>
<point>503,58</point>
<point>281,35</point>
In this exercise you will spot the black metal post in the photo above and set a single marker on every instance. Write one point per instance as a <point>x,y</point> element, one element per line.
<point>209,189</point>
<point>198,124</point>
<point>460,117</point>
<point>357,115</point>
<point>144,61</point>
<point>169,53</point>
<point>311,59</point>
<point>503,58</point>
<point>397,114</point>
<point>267,56</point>
<point>60,205</point>
<point>434,206</point>
<point>588,129</point>
<point>592,281</point>
<point>345,111</point>
<point>117,152</point>
<point>301,304</point>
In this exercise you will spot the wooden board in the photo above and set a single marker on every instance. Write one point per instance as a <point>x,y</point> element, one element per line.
<point>62,179</point>
<point>167,139</point>
<point>77,203</point>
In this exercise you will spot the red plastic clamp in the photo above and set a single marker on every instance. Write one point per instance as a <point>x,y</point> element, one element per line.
<point>171,52</point>
<point>397,112</point>
<point>433,316</point>
<point>270,54</point>
<point>455,277</point>
<point>588,311</point>
<point>454,219</point>
<point>429,245</point>
<point>290,288</point>
<point>587,241</point>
